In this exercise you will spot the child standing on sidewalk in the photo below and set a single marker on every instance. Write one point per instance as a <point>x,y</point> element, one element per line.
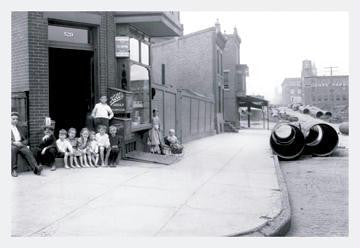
<point>102,139</point>
<point>114,149</point>
<point>102,113</point>
<point>64,148</point>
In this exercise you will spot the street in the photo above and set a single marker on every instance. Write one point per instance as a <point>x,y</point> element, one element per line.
<point>318,193</point>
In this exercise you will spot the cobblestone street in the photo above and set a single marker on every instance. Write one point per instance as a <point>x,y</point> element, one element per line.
<point>318,191</point>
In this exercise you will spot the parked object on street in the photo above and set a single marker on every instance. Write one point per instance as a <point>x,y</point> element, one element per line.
<point>321,138</point>
<point>344,128</point>
<point>316,112</point>
<point>304,109</point>
<point>287,141</point>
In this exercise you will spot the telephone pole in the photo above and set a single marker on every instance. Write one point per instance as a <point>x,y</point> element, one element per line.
<point>331,69</point>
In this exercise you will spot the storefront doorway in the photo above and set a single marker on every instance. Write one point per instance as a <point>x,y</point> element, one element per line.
<point>71,87</point>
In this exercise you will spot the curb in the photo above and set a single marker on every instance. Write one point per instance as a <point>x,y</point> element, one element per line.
<point>279,225</point>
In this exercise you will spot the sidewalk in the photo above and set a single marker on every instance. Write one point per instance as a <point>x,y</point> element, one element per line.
<point>225,185</point>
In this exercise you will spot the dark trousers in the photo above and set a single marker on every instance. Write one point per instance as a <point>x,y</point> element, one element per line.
<point>26,153</point>
<point>114,152</point>
<point>101,121</point>
<point>48,158</point>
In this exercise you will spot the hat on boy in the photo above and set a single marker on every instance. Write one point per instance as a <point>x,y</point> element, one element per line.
<point>14,113</point>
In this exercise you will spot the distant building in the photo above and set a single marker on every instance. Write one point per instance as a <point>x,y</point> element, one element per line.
<point>193,62</point>
<point>291,91</point>
<point>330,93</point>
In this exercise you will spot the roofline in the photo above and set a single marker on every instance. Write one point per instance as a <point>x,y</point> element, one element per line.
<point>184,36</point>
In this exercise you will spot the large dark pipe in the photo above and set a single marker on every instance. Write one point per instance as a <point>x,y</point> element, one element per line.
<point>316,112</point>
<point>304,110</point>
<point>287,141</point>
<point>321,138</point>
<point>327,114</point>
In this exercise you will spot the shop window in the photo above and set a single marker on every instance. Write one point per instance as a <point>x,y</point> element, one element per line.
<point>139,85</point>
<point>134,49</point>
<point>145,53</point>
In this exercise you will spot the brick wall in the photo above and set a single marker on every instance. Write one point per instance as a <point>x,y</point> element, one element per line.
<point>230,60</point>
<point>19,52</point>
<point>188,62</point>
<point>38,73</point>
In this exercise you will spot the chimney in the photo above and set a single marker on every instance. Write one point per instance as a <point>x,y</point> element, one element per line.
<point>217,26</point>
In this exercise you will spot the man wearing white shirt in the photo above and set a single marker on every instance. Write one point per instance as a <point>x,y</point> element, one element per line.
<point>19,145</point>
<point>102,113</point>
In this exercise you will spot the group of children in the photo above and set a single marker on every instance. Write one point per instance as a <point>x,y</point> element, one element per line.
<point>86,150</point>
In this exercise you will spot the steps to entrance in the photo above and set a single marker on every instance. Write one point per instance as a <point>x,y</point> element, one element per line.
<point>229,127</point>
<point>153,158</point>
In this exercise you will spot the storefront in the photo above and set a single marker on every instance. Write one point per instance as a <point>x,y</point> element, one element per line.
<point>72,58</point>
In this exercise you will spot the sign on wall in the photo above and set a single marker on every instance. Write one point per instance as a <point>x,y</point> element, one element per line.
<point>120,101</point>
<point>122,46</point>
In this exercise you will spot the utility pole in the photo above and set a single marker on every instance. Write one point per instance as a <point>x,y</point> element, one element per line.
<point>331,69</point>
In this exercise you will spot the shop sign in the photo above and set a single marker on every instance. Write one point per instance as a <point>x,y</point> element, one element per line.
<point>122,46</point>
<point>117,102</point>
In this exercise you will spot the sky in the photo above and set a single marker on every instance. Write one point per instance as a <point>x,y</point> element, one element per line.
<point>274,44</point>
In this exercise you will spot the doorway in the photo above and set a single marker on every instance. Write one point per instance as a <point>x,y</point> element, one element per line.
<point>71,87</point>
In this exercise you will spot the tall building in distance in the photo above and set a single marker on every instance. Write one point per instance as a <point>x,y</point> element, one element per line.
<point>330,93</point>
<point>291,91</point>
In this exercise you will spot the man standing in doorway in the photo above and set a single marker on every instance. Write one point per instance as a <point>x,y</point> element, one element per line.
<point>19,145</point>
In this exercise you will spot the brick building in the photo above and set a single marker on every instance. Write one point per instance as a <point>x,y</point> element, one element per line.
<point>291,91</point>
<point>234,78</point>
<point>193,66</point>
<point>62,62</point>
<point>330,93</point>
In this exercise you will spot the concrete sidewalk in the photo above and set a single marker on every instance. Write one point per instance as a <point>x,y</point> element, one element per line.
<point>225,185</point>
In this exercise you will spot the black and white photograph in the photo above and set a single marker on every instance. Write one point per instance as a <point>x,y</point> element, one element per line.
<point>180,123</point>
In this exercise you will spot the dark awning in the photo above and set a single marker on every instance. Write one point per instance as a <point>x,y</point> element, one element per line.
<point>252,101</point>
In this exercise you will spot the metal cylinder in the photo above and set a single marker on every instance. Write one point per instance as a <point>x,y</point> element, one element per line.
<point>287,141</point>
<point>316,112</point>
<point>344,128</point>
<point>304,110</point>
<point>321,139</point>
<point>327,114</point>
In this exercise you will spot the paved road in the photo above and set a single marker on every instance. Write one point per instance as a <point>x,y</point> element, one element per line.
<point>318,190</point>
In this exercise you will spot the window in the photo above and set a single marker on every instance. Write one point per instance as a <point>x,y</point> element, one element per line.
<point>139,85</point>
<point>337,98</point>
<point>344,98</point>
<point>163,74</point>
<point>313,98</point>
<point>292,91</point>
<point>226,76</point>
<point>226,80</point>
<point>134,49</point>
<point>299,91</point>
<point>319,99</point>
<point>144,53</point>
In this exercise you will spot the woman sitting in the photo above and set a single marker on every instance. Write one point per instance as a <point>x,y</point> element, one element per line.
<point>173,142</point>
